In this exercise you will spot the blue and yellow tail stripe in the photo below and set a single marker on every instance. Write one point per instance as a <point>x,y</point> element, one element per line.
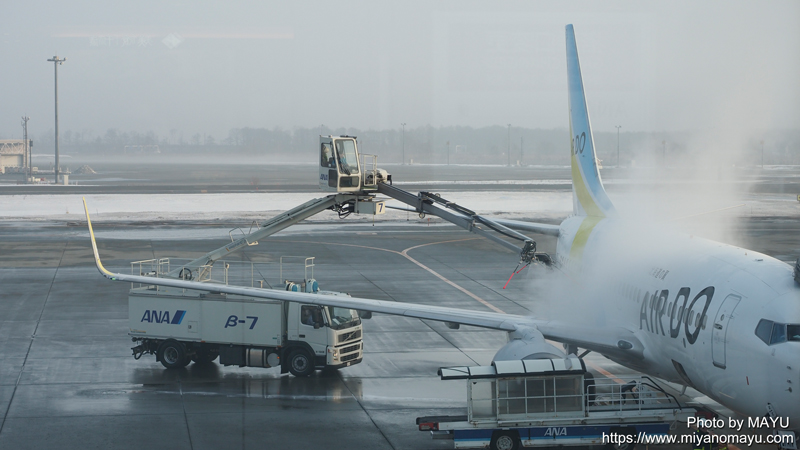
<point>589,196</point>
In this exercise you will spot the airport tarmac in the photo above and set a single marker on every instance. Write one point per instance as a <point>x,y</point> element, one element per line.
<point>69,381</point>
<point>67,378</point>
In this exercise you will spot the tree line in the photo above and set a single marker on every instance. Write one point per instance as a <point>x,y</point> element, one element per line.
<point>440,145</point>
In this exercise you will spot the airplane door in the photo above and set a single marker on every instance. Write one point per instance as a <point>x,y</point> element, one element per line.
<point>720,331</point>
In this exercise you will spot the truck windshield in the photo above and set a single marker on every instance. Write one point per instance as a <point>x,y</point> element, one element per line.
<point>342,317</point>
<point>346,155</point>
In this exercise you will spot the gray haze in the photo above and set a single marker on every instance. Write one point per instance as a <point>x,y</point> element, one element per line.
<point>208,67</point>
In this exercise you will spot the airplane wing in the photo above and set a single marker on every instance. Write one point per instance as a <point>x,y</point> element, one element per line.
<point>602,341</point>
<point>541,228</point>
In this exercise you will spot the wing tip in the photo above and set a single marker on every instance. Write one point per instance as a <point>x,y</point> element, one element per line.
<point>97,261</point>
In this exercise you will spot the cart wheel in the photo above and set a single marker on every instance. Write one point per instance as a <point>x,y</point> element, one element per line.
<point>630,435</point>
<point>504,440</point>
<point>622,446</point>
<point>300,364</point>
<point>172,354</point>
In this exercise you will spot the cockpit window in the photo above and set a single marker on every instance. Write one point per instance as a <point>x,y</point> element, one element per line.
<point>764,330</point>
<point>793,332</point>
<point>775,333</point>
<point>778,333</point>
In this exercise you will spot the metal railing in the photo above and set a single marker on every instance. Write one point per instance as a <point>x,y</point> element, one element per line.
<point>223,272</point>
<point>369,166</point>
<point>308,266</point>
<point>563,396</point>
<point>640,393</point>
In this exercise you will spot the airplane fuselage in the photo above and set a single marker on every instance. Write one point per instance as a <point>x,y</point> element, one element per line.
<point>695,306</point>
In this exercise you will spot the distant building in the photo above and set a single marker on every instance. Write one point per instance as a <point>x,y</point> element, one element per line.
<point>13,157</point>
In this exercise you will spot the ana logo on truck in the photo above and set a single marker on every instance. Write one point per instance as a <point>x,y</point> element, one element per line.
<point>163,317</point>
<point>556,431</point>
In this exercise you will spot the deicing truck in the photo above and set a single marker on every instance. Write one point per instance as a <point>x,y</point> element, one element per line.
<point>180,326</point>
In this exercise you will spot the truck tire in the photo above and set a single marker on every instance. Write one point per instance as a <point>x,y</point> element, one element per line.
<point>504,440</point>
<point>300,363</point>
<point>205,355</point>
<point>629,433</point>
<point>172,354</point>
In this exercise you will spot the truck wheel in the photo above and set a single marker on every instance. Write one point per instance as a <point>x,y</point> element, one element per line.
<point>172,354</point>
<point>504,440</point>
<point>300,363</point>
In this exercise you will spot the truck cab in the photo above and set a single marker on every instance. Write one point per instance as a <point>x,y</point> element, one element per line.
<point>332,335</point>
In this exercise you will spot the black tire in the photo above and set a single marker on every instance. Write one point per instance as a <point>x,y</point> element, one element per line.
<point>504,440</point>
<point>205,355</point>
<point>300,363</point>
<point>172,354</point>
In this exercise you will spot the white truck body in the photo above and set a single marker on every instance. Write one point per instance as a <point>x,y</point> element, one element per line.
<point>204,318</point>
<point>179,325</point>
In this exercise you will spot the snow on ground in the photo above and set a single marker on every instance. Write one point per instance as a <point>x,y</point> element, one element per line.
<point>484,182</point>
<point>251,206</point>
<point>532,205</point>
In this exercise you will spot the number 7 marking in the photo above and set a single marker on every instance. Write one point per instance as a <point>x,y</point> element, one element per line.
<point>255,319</point>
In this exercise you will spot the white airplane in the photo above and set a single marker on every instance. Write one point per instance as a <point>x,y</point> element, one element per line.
<point>721,319</point>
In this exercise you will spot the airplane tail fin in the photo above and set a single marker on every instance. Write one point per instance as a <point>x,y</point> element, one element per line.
<point>588,195</point>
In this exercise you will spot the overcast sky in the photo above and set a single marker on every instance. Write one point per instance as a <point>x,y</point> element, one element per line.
<point>210,66</point>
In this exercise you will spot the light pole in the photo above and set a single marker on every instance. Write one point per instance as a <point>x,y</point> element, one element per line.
<point>448,153</point>
<point>618,127</point>
<point>27,149</point>
<point>56,62</point>
<point>509,145</point>
<point>404,143</point>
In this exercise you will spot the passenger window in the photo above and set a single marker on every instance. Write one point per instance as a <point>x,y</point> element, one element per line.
<point>764,330</point>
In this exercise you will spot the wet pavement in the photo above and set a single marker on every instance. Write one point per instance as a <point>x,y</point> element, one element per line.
<point>67,379</point>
